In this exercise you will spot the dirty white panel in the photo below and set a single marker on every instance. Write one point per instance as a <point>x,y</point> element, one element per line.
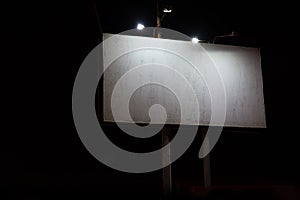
<point>177,64</point>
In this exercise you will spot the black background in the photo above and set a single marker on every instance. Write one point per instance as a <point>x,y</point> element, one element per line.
<point>44,45</point>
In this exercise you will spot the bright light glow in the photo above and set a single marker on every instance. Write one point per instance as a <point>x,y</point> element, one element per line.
<point>140,27</point>
<point>195,40</point>
<point>167,11</point>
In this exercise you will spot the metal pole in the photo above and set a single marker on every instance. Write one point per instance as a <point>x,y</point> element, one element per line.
<point>158,18</point>
<point>166,159</point>
<point>206,164</point>
<point>166,131</point>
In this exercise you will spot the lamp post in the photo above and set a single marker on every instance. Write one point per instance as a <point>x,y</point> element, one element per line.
<point>232,34</point>
<point>166,131</point>
<point>167,9</point>
<point>157,14</point>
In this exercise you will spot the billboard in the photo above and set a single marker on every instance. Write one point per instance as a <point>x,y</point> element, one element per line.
<point>169,81</point>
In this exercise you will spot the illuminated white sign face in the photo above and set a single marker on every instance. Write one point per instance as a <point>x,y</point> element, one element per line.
<point>151,72</point>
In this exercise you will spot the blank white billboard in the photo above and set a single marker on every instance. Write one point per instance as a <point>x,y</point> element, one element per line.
<point>176,72</point>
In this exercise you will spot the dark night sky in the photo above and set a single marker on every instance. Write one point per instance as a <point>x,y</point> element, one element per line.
<point>47,43</point>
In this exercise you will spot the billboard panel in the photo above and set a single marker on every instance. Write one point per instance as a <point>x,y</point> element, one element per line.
<point>142,72</point>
